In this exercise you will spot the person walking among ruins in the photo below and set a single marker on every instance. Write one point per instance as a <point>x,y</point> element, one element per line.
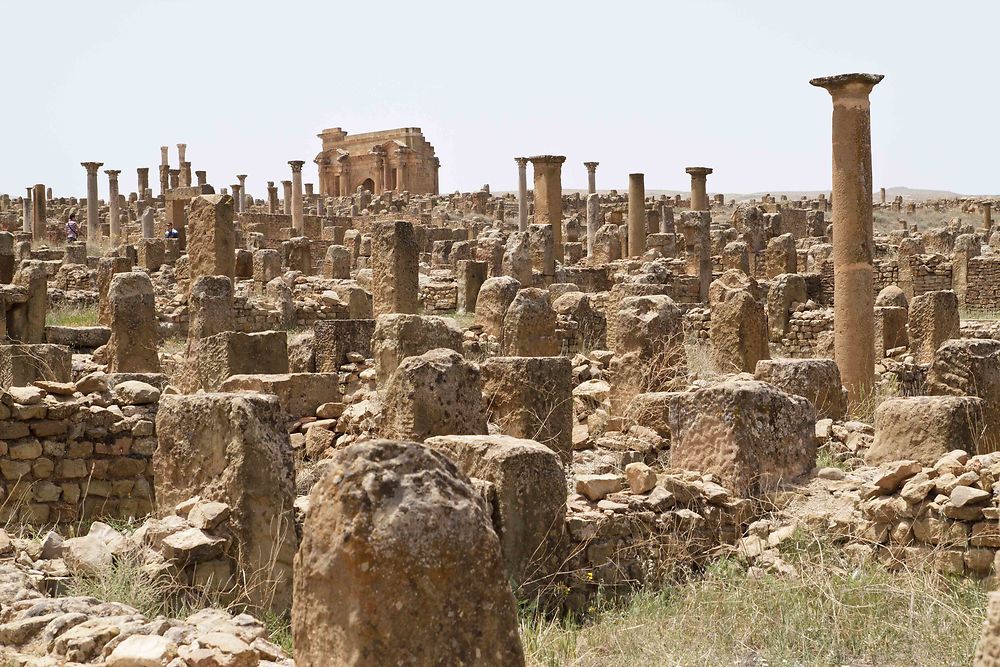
<point>72,229</point>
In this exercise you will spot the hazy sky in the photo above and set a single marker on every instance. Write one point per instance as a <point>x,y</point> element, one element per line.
<point>638,86</point>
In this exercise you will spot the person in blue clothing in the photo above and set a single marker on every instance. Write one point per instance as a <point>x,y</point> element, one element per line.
<point>171,234</point>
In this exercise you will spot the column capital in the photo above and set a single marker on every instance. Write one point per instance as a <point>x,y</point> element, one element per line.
<point>547,159</point>
<point>848,84</point>
<point>112,173</point>
<point>91,167</point>
<point>286,183</point>
<point>241,177</point>
<point>591,166</point>
<point>698,171</point>
<point>270,184</point>
<point>522,162</point>
<point>296,165</point>
<point>182,147</point>
<point>436,162</point>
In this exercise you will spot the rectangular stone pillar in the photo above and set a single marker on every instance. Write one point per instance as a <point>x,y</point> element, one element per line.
<point>212,237</point>
<point>471,276</point>
<point>548,197</point>
<point>395,268</point>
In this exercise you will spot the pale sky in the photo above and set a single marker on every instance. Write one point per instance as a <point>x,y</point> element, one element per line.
<point>638,86</point>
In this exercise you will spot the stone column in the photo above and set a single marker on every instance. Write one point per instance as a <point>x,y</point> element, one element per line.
<point>437,167</point>
<point>593,220</point>
<point>241,201</point>
<point>185,175</point>
<point>699,179</point>
<point>386,176</point>
<point>147,223</point>
<point>522,193</point>
<point>113,212</point>
<point>38,215</point>
<point>400,171</point>
<point>379,175</point>
<point>309,191</point>
<point>297,223</point>
<point>272,198</point>
<point>591,176</point>
<point>853,316</point>
<point>881,194</point>
<point>988,218</point>
<point>164,179</point>
<point>286,191</point>
<point>26,211</point>
<point>175,175</point>
<point>344,180</point>
<point>165,156</point>
<point>237,193</point>
<point>202,177</point>
<point>636,215</point>
<point>181,150</point>
<point>93,222</point>
<point>548,197</point>
<point>143,181</point>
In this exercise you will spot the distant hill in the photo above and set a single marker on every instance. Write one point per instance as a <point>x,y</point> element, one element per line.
<point>908,194</point>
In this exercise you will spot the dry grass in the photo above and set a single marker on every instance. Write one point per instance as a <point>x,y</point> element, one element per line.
<point>862,409</point>
<point>834,612</point>
<point>72,316</point>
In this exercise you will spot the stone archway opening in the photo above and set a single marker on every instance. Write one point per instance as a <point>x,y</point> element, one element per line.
<point>368,185</point>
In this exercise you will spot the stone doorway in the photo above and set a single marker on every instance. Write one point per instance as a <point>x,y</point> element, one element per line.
<point>368,185</point>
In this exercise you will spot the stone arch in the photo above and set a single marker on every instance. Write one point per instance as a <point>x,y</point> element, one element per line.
<point>369,185</point>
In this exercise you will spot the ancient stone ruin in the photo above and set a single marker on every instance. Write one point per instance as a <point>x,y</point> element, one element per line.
<point>393,417</point>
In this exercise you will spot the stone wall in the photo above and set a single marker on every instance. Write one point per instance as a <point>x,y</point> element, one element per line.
<point>68,458</point>
<point>982,288</point>
<point>804,329</point>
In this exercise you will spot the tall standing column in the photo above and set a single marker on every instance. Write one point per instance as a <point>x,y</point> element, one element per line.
<point>113,212</point>
<point>593,220</point>
<point>297,222</point>
<point>181,150</point>
<point>164,155</point>
<point>436,163</point>
<point>93,222</point>
<point>988,218</point>
<point>853,301</point>
<point>164,179</point>
<point>202,177</point>
<point>522,193</point>
<point>142,174</point>
<point>386,176</point>
<point>881,196</point>
<point>185,175</point>
<point>38,215</point>
<point>26,212</point>
<point>548,197</point>
<point>636,215</point>
<point>242,200</point>
<point>699,190</point>
<point>286,203</point>
<point>591,176</point>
